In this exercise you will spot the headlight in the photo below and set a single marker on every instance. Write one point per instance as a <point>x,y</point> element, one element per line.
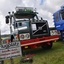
<point>27,35</point>
<point>24,36</point>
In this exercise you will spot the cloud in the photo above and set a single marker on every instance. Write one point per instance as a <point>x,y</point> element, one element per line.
<point>45,8</point>
<point>48,8</point>
<point>41,2</point>
<point>3,27</point>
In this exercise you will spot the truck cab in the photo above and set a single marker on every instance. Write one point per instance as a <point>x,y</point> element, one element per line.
<point>31,31</point>
<point>59,21</point>
<point>28,25</point>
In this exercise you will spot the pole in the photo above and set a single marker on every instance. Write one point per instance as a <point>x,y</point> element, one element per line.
<point>2,62</point>
<point>0,36</point>
<point>10,16</point>
<point>11,60</point>
<point>10,23</point>
<point>0,33</point>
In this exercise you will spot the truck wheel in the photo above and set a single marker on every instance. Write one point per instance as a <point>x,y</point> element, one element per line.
<point>47,46</point>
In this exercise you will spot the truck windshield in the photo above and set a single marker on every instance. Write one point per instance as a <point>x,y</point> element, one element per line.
<point>22,24</point>
<point>62,14</point>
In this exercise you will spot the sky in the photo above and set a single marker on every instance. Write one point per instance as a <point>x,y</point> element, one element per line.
<point>45,8</point>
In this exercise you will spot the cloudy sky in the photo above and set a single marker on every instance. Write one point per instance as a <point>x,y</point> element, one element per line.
<point>45,8</point>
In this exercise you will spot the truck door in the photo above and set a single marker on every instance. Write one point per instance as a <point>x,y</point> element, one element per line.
<point>23,29</point>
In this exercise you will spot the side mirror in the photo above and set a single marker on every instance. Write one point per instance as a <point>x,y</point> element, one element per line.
<point>7,19</point>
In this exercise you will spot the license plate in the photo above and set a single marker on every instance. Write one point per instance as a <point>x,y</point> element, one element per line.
<point>26,46</point>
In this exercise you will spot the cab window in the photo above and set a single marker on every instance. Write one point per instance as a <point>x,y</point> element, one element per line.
<point>62,14</point>
<point>20,24</point>
<point>56,17</point>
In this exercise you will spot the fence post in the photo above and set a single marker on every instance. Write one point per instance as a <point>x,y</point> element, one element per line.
<point>2,62</point>
<point>11,60</point>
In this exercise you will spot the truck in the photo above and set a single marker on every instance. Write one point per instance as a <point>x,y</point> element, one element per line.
<point>31,31</point>
<point>59,21</point>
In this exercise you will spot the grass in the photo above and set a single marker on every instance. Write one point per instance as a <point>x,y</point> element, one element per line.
<point>52,56</point>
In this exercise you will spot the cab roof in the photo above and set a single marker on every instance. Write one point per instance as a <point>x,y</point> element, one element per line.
<point>22,14</point>
<point>25,12</point>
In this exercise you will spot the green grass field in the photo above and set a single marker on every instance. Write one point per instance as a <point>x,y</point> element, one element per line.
<point>52,56</point>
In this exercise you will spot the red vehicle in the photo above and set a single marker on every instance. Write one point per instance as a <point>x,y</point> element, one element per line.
<point>31,31</point>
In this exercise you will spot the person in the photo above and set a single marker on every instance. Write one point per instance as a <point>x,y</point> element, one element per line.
<point>12,37</point>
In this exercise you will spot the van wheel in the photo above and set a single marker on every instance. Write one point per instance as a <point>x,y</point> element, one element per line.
<point>47,46</point>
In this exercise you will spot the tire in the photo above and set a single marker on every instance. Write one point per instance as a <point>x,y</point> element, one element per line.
<point>47,46</point>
